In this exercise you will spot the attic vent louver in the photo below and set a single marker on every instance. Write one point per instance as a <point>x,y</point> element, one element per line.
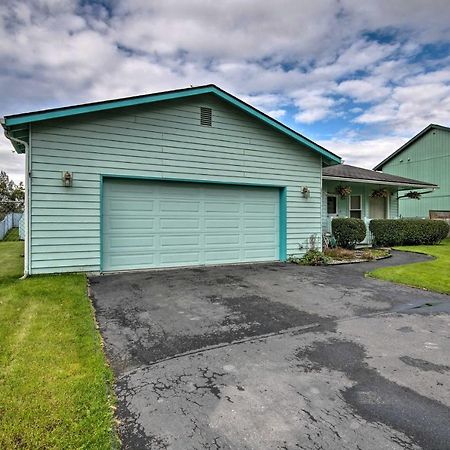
<point>205,116</point>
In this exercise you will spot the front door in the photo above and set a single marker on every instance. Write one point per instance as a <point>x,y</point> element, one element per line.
<point>377,208</point>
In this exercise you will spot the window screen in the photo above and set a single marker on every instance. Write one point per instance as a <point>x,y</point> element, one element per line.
<point>355,206</point>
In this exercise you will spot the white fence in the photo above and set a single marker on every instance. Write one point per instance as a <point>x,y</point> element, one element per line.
<point>11,220</point>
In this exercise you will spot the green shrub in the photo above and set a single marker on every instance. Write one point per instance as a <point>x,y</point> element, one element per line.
<point>314,258</point>
<point>389,232</point>
<point>310,258</point>
<point>348,232</point>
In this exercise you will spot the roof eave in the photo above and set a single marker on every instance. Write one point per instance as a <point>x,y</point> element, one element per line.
<point>19,119</point>
<point>18,146</point>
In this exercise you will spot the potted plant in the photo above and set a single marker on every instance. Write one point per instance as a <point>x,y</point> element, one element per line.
<point>413,194</point>
<point>343,191</point>
<point>380,193</point>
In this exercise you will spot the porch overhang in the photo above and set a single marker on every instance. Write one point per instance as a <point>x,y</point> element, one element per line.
<point>400,186</point>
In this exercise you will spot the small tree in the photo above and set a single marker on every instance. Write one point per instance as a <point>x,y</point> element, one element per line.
<point>11,195</point>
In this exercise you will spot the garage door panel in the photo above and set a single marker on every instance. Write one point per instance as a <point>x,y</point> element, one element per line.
<point>260,239</point>
<point>119,204</point>
<point>222,239</point>
<point>162,224</point>
<point>180,258</point>
<point>224,224</point>
<point>260,208</point>
<point>259,254</point>
<point>126,224</point>
<point>178,223</point>
<point>176,241</point>
<point>179,206</point>
<point>222,207</point>
<point>225,256</point>
<point>132,242</point>
<point>139,261</point>
<point>259,224</point>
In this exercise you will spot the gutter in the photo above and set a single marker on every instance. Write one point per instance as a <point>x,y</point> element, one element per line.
<point>379,182</point>
<point>27,175</point>
<point>421,193</point>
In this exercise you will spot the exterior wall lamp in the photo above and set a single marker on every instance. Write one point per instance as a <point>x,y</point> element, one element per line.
<point>67,179</point>
<point>306,191</point>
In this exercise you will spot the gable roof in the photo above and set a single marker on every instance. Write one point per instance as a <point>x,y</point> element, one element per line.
<point>345,172</point>
<point>380,165</point>
<point>17,121</point>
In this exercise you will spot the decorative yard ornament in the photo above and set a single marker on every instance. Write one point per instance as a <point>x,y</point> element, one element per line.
<point>343,191</point>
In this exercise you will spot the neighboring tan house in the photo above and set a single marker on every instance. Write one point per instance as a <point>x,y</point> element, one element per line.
<point>425,157</point>
<point>368,194</point>
<point>186,177</point>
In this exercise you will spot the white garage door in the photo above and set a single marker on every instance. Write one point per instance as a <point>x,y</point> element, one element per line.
<point>149,224</point>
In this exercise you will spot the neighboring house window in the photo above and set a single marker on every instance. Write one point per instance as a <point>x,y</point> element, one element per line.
<point>331,204</point>
<point>355,206</point>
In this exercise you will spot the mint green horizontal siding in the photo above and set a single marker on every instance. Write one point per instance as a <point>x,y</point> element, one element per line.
<point>427,159</point>
<point>162,141</point>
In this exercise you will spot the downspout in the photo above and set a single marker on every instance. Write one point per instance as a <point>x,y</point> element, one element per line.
<point>26,221</point>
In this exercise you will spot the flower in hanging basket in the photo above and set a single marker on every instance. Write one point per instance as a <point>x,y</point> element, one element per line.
<point>414,194</point>
<point>343,191</point>
<point>380,193</point>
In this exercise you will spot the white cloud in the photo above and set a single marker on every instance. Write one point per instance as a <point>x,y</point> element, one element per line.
<point>312,62</point>
<point>419,101</point>
<point>364,152</point>
<point>366,90</point>
<point>314,105</point>
<point>11,163</point>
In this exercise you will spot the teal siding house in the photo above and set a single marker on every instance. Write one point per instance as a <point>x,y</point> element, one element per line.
<point>427,157</point>
<point>187,177</point>
<point>350,191</point>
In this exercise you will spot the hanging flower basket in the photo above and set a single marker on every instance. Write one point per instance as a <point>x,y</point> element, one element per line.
<point>414,194</point>
<point>343,191</point>
<point>380,193</point>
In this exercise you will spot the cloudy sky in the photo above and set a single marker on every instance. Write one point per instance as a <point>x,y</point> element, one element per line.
<point>358,77</point>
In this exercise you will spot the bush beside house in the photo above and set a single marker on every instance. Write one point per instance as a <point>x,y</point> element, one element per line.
<point>389,232</point>
<point>348,231</point>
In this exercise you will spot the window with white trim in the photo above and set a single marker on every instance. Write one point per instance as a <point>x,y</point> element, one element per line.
<point>355,206</point>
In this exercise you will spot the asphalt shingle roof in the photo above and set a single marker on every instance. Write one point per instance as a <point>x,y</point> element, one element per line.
<point>358,173</point>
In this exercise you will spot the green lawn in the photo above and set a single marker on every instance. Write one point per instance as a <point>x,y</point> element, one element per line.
<point>11,235</point>
<point>432,275</point>
<point>55,385</point>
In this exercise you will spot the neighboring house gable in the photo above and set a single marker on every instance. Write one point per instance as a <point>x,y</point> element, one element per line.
<point>425,157</point>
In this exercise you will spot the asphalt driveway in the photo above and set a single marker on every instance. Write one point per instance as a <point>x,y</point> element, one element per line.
<point>276,356</point>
